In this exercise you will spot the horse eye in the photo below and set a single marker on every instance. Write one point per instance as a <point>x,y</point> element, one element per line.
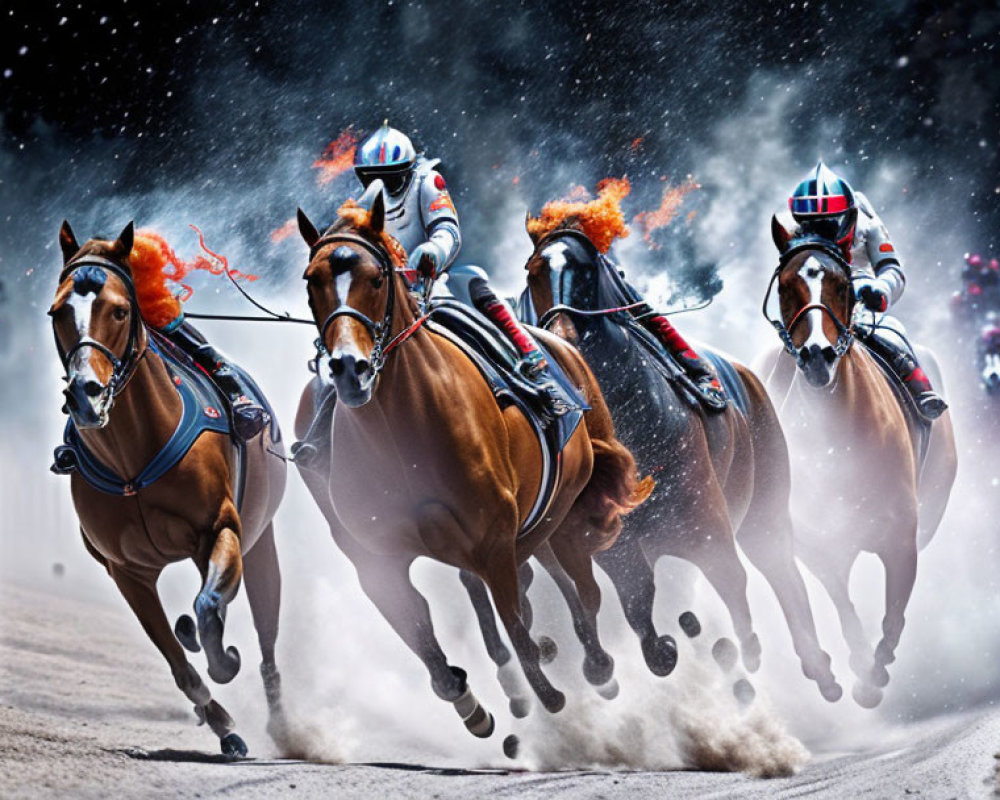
<point>120,314</point>
<point>377,282</point>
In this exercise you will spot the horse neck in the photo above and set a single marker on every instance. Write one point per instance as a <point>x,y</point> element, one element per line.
<point>142,419</point>
<point>845,402</point>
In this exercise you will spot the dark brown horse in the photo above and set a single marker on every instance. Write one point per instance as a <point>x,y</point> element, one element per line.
<point>425,463</point>
<point>125,407</point>
<point>720,477</point>
<point>863,481</point>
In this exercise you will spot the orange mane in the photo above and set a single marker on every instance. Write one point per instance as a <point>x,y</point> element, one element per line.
<point>148,259</point>
<point>601,219</point>
<point>360,219</point>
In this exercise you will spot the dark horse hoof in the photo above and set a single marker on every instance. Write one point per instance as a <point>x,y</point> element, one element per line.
<point>547,650</point>
<point>744,692</point>
<point>661,655</point>
<point>481,724</point>
<point>554,701</point>
<point>689,624</point>
<point>225,670</point>
<point>233,745</point>
<point>187,633</point>
<point>519,707</point>
<point>511,746</point>
<point>598,670</point>
<point>725,654</point>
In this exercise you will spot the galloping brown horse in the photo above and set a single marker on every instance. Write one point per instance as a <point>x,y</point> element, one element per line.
<point>721,477</point>
<point>425,463</point>
<point>864,478</point>
<point>125,407</point>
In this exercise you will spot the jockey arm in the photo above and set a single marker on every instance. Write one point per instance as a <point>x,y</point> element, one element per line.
<point>884,286</point>
<point>440,221</point>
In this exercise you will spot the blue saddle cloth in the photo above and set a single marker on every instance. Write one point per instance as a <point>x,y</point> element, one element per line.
<point>204,409</point>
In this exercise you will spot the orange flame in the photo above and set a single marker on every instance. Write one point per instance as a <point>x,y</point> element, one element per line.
<point>670,203</point>
<point>287,229</point>
<point>601,219</point>
<point>154,262</point>
<point>337,158</point>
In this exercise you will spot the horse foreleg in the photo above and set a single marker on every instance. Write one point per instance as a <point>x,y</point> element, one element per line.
<point>263,581</point>
<point>139,591</point>
<point>221,579</point>
<point>632,575</point>
<point>769,547</point>
<point>502,578</point>
<point>499,654</point>
<point>386,581</point>
<point>900,574</point>
<point>574,578</point>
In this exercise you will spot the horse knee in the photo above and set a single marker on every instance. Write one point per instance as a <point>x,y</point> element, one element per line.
<point>189,682</point>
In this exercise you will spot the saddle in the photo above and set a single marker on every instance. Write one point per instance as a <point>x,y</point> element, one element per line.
<point>204,408</point>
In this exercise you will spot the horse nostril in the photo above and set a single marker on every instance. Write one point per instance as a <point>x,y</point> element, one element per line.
<point>362,366</point>
<point>92,388</point>
<point>829,354</point>
<point>336,366</point>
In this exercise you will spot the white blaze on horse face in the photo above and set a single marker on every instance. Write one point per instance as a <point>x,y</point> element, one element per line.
<point>83,308</point>
<point>555,254</point>
<point>812,272</point>
<point>346,344</point>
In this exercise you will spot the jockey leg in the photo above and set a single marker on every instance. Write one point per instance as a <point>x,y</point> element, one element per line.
<point>904,364</point>
<point>694,365</point>
<point>249,418</point>
<point>532,365</point>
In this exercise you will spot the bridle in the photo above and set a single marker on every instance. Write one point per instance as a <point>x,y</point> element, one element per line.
<point>122,369</point>
<point>845,333</point>
<point>381,332</point>
<point>546,319</point>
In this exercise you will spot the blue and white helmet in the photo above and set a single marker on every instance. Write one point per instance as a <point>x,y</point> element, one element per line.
<point>387,154</point>
<point>823,204</point>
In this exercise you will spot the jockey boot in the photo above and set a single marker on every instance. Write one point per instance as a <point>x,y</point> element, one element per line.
<point>533,365</point>
<point>929,403</point>
<point>697,370</point>
<point>249,418</point>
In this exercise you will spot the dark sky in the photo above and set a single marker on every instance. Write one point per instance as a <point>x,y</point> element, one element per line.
<point>233,100</point>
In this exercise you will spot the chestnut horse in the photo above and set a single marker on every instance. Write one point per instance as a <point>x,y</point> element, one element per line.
<point>125,407</point>
<point>859,480</point>
<point>721,477</point>
<point>423,461</point>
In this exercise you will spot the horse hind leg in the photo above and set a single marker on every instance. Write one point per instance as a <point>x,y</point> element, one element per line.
<point>498,652</point>
<point>263,583</point>
<point>546,645</point>
<point>900,574</point>
<point>139,591</point>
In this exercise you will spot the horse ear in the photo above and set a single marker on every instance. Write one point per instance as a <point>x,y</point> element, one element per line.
<point>309,233</point>
<point>534,236</point>
<point>376,215</point>
<point>780,234</point>
<point>67,241</point>
<point>123,244</point>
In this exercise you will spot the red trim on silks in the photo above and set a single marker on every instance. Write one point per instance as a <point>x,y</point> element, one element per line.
<point>918,377</point>
<point>504,320</point>
<point>668,335</point>
<point>439,183</point>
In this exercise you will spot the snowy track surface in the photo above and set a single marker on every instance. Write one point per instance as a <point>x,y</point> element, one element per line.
<point>85,711</point>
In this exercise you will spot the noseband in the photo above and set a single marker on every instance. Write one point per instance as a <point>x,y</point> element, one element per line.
<point>845,333</point>
<point>122,369</point>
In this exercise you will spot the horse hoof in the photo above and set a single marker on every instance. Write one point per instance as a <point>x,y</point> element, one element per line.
<point>226,670</point>
<point>661,656</point>
<point>234,746</point>
<point>547,649</point>
<point>481,724</point>
<point>554,702</point>
<point>879,677</point>
<point>689,624</point>
<point>511,746</point>
<point>744,692</point>
<point>831,692</point>
<point>725,654</point>
<point>199,712</point>
<point>187,633</point>
<point>609,691</point>
<point>866,695</point>
<point>519,707</point>
<point>599,670</point>
<point>751,653</point>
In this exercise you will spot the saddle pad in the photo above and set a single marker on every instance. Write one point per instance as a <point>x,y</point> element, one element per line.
<point>734,389</point>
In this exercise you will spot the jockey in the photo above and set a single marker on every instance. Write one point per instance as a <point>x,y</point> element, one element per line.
<point>421,215</point>
<point>825,206</point>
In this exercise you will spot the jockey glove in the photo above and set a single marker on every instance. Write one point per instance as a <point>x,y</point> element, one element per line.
<point>873,292</point>
<point>426,258</point>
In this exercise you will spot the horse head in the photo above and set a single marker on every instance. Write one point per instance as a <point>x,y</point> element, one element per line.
<point>563,278</point>
<point>352,287</point>
<point>816,299</point>
<point>989,359</point>
<point>96,322</point>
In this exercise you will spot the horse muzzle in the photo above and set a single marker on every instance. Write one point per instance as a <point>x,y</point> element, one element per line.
<point>354,378</point>
<point>991,383</point>
<point>818,364</point>
<point>88,402</point>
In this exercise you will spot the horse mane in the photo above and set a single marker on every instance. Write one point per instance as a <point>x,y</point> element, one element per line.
<point>150,256</point>
<point>351,215</point>
<point>601,220</point>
